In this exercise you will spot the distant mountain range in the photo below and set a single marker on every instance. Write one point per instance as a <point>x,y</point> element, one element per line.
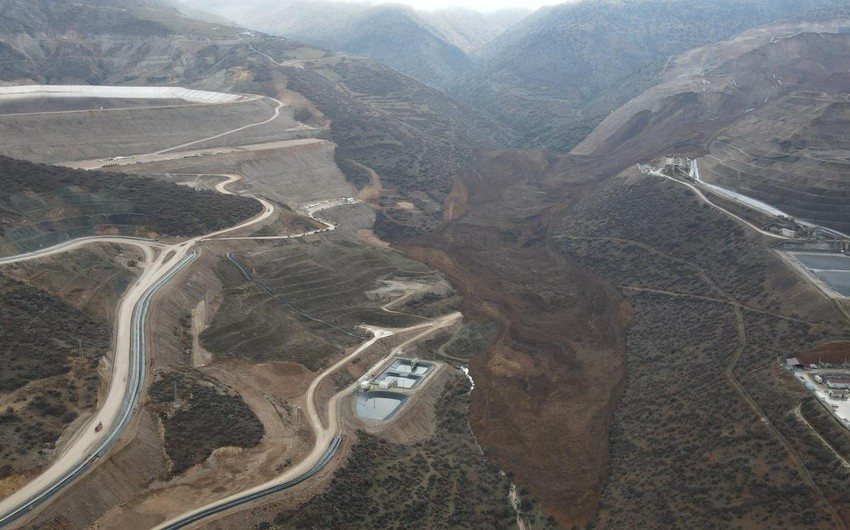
<point>551,78</point>
<point>556,74</point>
<point>415,136</point>
<point>434,47</point>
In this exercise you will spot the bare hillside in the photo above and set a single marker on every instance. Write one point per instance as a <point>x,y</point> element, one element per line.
<point>771,104</point>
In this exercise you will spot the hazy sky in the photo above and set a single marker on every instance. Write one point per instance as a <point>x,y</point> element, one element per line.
<point>477,5</point>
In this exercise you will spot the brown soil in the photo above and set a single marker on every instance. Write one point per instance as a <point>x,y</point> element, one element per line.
<point>371,192</point>
<point>546,390</point>
<point>272,391</point>
<point>833,353</point>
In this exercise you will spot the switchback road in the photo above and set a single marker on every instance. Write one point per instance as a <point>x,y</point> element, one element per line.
<point>327,436</point>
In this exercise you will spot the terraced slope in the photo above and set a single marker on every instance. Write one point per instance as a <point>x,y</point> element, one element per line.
<point>793,155</point>
<point>303,302</point>
<point>414,137</point>
<point>769,109</point>
<point>560,71</point>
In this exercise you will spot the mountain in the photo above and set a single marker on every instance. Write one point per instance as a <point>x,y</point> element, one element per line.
<point>556,74</point>
<point>628,375</point>
<point>62,42</point>
<point>410,138</point>
<point>432,47</point>
<point>767,109</point>
<point>143,18</point>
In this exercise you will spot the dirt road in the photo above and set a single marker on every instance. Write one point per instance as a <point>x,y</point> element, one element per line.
<point>160,260</point>
<point>326,434</point>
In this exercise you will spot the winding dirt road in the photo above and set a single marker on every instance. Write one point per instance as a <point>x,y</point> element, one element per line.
<point>160,263</point>
<point>160,260</point>
<point>326,434</point>
<point>701,196</point>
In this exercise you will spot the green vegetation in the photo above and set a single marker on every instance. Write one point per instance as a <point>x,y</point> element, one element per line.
<point>199,416</point>
<point>444,482</point>
<point>51,341</point>
<point>705,433</point>
<point>44,204</point>
<point>686,450</point>
<point>826,425</point>
<point>41,335</point>
<point>768,338</point>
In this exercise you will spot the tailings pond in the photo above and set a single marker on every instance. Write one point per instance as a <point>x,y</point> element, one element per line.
<point>31,104</point>
<point>378,405</point>
<point>834,269</point>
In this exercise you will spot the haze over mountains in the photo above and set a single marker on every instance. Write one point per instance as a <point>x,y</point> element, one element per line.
<point>624,333</point>
<point>551,78</point>
<point>432,46</point>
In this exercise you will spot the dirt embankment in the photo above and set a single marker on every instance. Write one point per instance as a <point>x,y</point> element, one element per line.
<point>545,391</point>
<point>833,353</point>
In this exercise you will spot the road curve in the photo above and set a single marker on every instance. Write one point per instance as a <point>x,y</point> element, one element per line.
<point>701,196</point>
<point>146,245</point>
<point>324,440</point>
<point>327,436</point>
<point>129,363</point>
<point>278,105</point>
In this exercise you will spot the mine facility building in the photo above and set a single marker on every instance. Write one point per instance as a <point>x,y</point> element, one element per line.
<point>839,394</point>
<point>676,166</point>
<point>793,363</point>
<point>837,382</point>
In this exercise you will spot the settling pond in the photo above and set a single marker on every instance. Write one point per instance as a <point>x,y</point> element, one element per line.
<point>403,374</point>
<point>834,269</point>
<point>378,405</point>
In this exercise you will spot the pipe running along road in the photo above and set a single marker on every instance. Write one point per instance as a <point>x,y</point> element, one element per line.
<point>129,364</point>
<point>327,436</point>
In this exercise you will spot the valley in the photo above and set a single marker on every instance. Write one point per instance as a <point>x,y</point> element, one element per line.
<point>305,317</point>
<point>542,283</point>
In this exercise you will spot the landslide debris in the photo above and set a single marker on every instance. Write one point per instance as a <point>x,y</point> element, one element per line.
<point>554,76</point>
<point>703,422</point>
<point>768,111</point>
<point>441,482</point>
<point>546,389</point>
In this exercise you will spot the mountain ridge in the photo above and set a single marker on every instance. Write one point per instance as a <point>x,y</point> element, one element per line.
<point>561,70</point>
<point>434,47</point>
